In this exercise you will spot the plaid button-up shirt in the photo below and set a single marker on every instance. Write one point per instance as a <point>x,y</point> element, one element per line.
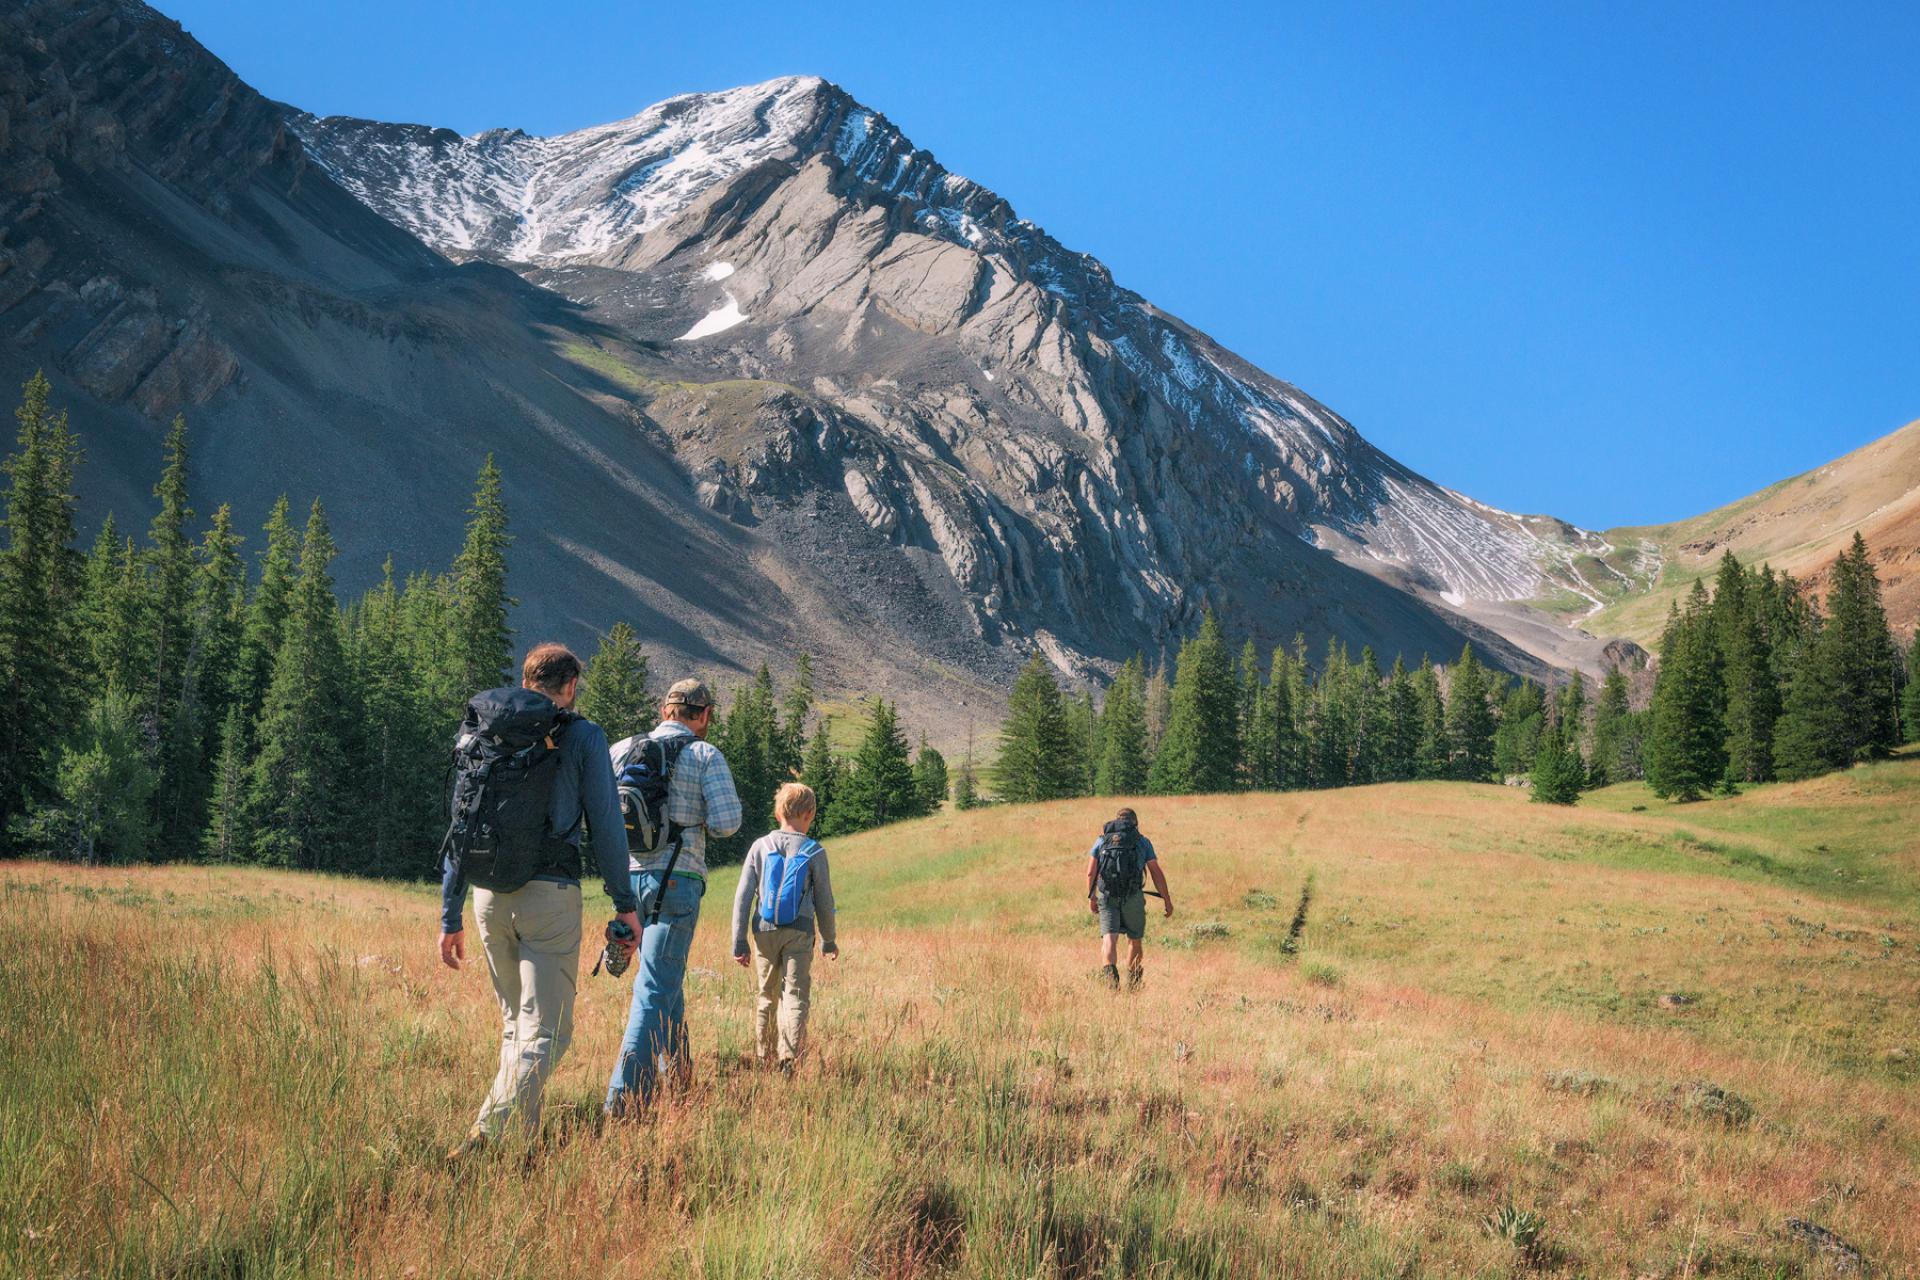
<point>700,797</point>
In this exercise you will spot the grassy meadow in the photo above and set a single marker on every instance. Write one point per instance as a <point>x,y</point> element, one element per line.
<point>1664,1030</point>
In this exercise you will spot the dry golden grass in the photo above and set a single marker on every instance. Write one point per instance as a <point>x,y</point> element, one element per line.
<point>236,1073</point>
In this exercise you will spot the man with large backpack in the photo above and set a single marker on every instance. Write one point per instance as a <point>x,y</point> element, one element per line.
<point>527,773</point>
<point>1116,894</point>
<point>677,790</point>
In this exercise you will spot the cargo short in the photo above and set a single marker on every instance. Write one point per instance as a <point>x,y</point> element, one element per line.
<point>1124,915</point>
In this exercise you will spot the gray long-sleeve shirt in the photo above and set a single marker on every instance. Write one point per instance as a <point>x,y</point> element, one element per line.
<point>583,790</point>
<point>816,899</point>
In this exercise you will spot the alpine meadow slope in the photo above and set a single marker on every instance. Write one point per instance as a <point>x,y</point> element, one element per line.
<point>1800,525</point>
<point>1706,1038</point>
<point>762,378</point>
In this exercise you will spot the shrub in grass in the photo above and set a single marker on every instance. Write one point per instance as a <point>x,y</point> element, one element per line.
<point>1321,974</point>
<point>1524,1229</point>
<point>1583,1084</point>
<point>1259,900</point>
<point>1208,931</point>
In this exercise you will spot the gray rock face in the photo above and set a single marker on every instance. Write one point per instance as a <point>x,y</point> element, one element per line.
<point>1066,456</point>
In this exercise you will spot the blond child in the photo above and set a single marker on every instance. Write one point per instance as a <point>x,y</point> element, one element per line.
<point>785,892</point>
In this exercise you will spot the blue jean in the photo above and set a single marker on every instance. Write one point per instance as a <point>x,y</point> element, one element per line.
<point>656,1039</point>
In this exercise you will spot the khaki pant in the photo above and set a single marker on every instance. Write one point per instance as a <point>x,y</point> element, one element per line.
<point>531,938</point>
<point>783,961</point>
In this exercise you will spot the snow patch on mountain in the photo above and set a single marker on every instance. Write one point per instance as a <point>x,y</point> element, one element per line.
<point>574,195</point>
<point>718,320</point>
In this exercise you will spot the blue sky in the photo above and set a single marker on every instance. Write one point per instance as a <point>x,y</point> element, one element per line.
<point>1618,263</point>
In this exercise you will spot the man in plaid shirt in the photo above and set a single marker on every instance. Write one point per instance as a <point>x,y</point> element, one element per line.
<point>700,799</point>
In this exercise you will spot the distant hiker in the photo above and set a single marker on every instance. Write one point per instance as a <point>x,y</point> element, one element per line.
<point>1117,896</point>
<point>669,868</point>
<point>785,888</point>
<point>527,772</point>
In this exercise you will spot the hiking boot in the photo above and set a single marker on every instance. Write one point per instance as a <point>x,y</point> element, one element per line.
<point>1110,976</point>
<point>1134,978</point>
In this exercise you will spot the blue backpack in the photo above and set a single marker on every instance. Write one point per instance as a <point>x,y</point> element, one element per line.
<point>783,881</point>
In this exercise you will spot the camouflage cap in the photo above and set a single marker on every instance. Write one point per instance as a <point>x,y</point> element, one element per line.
<point>689,693</point>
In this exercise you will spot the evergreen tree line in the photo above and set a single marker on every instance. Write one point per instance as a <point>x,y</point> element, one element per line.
<point>164,699</point>
<point>1287,722</point>
<point>1758,681</point>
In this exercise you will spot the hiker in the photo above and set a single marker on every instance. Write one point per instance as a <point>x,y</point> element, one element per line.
<point>528,771</point>
<point>1116,896</point>
<point>669,882</point>
<point>785,886</point>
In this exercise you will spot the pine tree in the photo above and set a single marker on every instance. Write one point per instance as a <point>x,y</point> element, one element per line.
<point>966,791</point>
<point>1400,752</point>
<point>169,606</point>
<point>1036,741</point>
<point>1259,728</point>
<point>483,640</point>
<point>748,737</point>
<point>1746,674</point>
<point>1201,750</point>
<point>228,836</point>
<point>929,778</point>
<point>795,709</point>
<point>1557,771</point>
<point>1284,696</point>
<point>1470,724</point>
<point>822,772</point>
<point>1247,674</point>
<point>613,692</point>
<point>1367,703</point>
<point>1157,703</point>
<point>125,644</point>
<point>386,734</point>
<point>1686,747</point>
<point>1123,735</point>
<point>1523,723</point>
<point>878,788</point>
<point>1431,753</point>
<point>1083,727</point>
<point>266,616</point>
<point>1859,646</point>
<point>296,790</point>
<point>1910,697</point>
<point>39,595</point>
<point>1609,729</point>
<point>217,618</point>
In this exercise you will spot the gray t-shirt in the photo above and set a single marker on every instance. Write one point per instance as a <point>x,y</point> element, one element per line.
<point>816,898</point>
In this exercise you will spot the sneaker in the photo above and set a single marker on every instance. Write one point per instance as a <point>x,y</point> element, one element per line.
<point>1110,976</point>
<point>1134,978</point>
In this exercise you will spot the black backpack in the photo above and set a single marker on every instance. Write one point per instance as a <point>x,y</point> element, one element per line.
<point>644,775</point>
<point>505,762</point>
<point>1121,867</point>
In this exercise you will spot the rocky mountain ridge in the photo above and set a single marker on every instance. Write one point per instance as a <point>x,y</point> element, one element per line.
<point>786,233</point>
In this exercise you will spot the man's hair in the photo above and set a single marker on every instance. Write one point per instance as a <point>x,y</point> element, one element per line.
<point>1127,815</point>
<point>793,800</point>
<point>682,712</point>
<point>549,667</point>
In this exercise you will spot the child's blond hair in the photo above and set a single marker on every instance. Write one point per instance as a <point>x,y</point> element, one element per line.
<point>794,800</point>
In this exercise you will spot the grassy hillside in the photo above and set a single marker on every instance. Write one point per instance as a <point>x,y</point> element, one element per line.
<point>1665,1029</point>
<point>1799,524</point>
